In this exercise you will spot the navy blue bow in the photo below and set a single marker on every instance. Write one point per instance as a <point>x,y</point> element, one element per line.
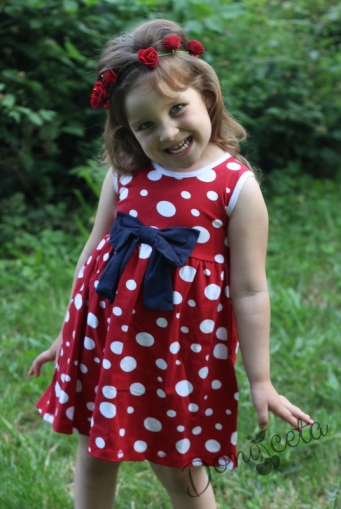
<point>172,246</point>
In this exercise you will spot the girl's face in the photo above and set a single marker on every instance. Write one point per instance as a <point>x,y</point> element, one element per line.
<point>173,131</point>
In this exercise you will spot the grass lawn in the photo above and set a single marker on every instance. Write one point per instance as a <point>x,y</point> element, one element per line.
<point>304,273</point>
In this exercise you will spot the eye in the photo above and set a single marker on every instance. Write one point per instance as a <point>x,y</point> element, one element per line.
<point>144,126</point>
<point>176,108</point>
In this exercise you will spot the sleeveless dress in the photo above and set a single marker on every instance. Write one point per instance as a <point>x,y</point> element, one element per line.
<point>146,384</point>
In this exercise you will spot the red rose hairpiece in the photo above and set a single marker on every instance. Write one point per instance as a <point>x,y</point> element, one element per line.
<point>195,48</point>
<point>148,57</point>
<point>172,42</point>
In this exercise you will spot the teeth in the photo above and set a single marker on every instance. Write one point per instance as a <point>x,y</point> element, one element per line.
<point>179,148</point>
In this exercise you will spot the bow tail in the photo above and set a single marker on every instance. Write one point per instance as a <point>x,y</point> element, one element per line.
<point>158,289</point>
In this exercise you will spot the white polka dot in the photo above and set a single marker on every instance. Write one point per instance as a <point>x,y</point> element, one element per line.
<point>109,391</point>
<point>208,411</point>
<point>123,193</point>
<point>193,407</point>
<point>204,234</point>
<point>195,212</point>
<point>81,272</point>
<point>220,351</point>
<point>195,347</point>
<point>154,175</point>
<point>218,426</point>
<point>203,372</point>
<point>161,363</point>
<point>120,454</point>
<point>162,454</point>
<point>208,176</point>
<point>125,179</point>
<point>220,307</point>
<point>174,347</point>
<point>133,213</point>
<point>212,195</point>
<point>137,389</point>
<point>79,386</point>
<point>226,242</point>
<point>89,343</point>
<point>197,462</point>
<point>192,303</point>
<point>221,333</point>
<point>236,395</point>
<point>219,258</point>
<point>96,284</point>
<point>184,388</point>
<point>187,273</point>
<point>212,292</point>
<point>100,443</point>
<point>70,412</point>
<point>106,257</point>
<point>212,445</point>
<point>144,339</point>
<point>100,245</point>
<point>181,428</point>
<point>108,410</point>
<point>48,418</point>
<point>90,406</point>
<point>92,320</point>
<point>97,360</point>
<point>117,311</point>
<point>217,223</point>
<point>234,438</point>
<point>102,304</point>
<point>216,384</point>
<point>140,446</point>
<point>116,347</point>
<point>227,291</point>
<point>207,272</point>
<point>171,413</point>
<point>124,328</point>
<point>130,410</point>
<point>197,430</point>
<point>184,329</point>
<point>83,368</point>
<point>233,166</point>
<point>106,364</point>
<point>161,393</point>
<point>207,326</point>
<point>162,322</point>
<point>128,363</point>
<point>122,432</point>
<point>177,315</point>
<point>166,208</point>
<point>183,445</point>
<point>78,301</point>
<point>131,284</point>
<point>152,424</point>
<point>177,298</point>
<point>222,275</point>
<point>177,362</point>
<point>159,378</point>
<point>144,192</point>
<point>228,190</point>
<point>145,251</point>
<point>228,412</point>
<point>186,195</point>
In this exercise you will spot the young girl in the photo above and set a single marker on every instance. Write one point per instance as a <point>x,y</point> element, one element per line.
<point>171,279</point>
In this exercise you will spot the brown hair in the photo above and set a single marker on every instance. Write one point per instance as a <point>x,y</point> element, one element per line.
<point>174,73</point>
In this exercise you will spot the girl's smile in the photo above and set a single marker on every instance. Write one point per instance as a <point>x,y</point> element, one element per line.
<point>172,131</point>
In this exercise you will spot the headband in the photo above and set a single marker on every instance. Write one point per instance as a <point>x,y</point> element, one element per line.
<point>148,57</point>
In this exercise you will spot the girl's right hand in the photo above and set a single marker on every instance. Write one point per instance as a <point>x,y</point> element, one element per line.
<point>49,355</point>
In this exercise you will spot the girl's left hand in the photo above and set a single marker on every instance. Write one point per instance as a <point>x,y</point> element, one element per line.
<point>265,398</point>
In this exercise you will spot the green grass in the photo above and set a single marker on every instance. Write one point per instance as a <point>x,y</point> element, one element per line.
<point>304,269</point>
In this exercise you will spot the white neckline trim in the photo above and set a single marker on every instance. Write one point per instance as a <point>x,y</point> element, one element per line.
<point>195,173</point>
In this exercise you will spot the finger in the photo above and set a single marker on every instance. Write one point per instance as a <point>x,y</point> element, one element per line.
<point>297,412</point>
<point>263,416</point>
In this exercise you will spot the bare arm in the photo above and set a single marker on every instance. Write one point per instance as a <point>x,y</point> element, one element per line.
<point>248,234</point>
<point>104,217</point>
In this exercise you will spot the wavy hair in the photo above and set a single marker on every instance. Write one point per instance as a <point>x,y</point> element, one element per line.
<point>173,73</point>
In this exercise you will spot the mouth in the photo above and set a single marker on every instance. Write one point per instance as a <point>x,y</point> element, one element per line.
<point>180,147</point>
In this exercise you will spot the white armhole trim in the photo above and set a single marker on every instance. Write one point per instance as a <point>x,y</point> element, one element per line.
<point>236,192</point>
<point>116,183</point>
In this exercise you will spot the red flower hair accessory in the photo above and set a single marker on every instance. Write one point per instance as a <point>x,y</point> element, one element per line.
<point>148,57</point>
<point>99,95</point>
<point>172,42</point>
<point>195,48</point>
<point>109,78</point>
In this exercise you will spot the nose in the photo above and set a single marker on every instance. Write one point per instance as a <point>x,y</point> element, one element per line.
<point>168,132</point>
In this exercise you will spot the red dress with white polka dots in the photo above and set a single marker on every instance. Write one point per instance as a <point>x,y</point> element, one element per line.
<point>156,385</point>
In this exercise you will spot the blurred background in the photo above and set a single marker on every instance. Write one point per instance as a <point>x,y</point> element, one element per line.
<point>279,63</point>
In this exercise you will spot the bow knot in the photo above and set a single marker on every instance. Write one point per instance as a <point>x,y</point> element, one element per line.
<point>172,247</point>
